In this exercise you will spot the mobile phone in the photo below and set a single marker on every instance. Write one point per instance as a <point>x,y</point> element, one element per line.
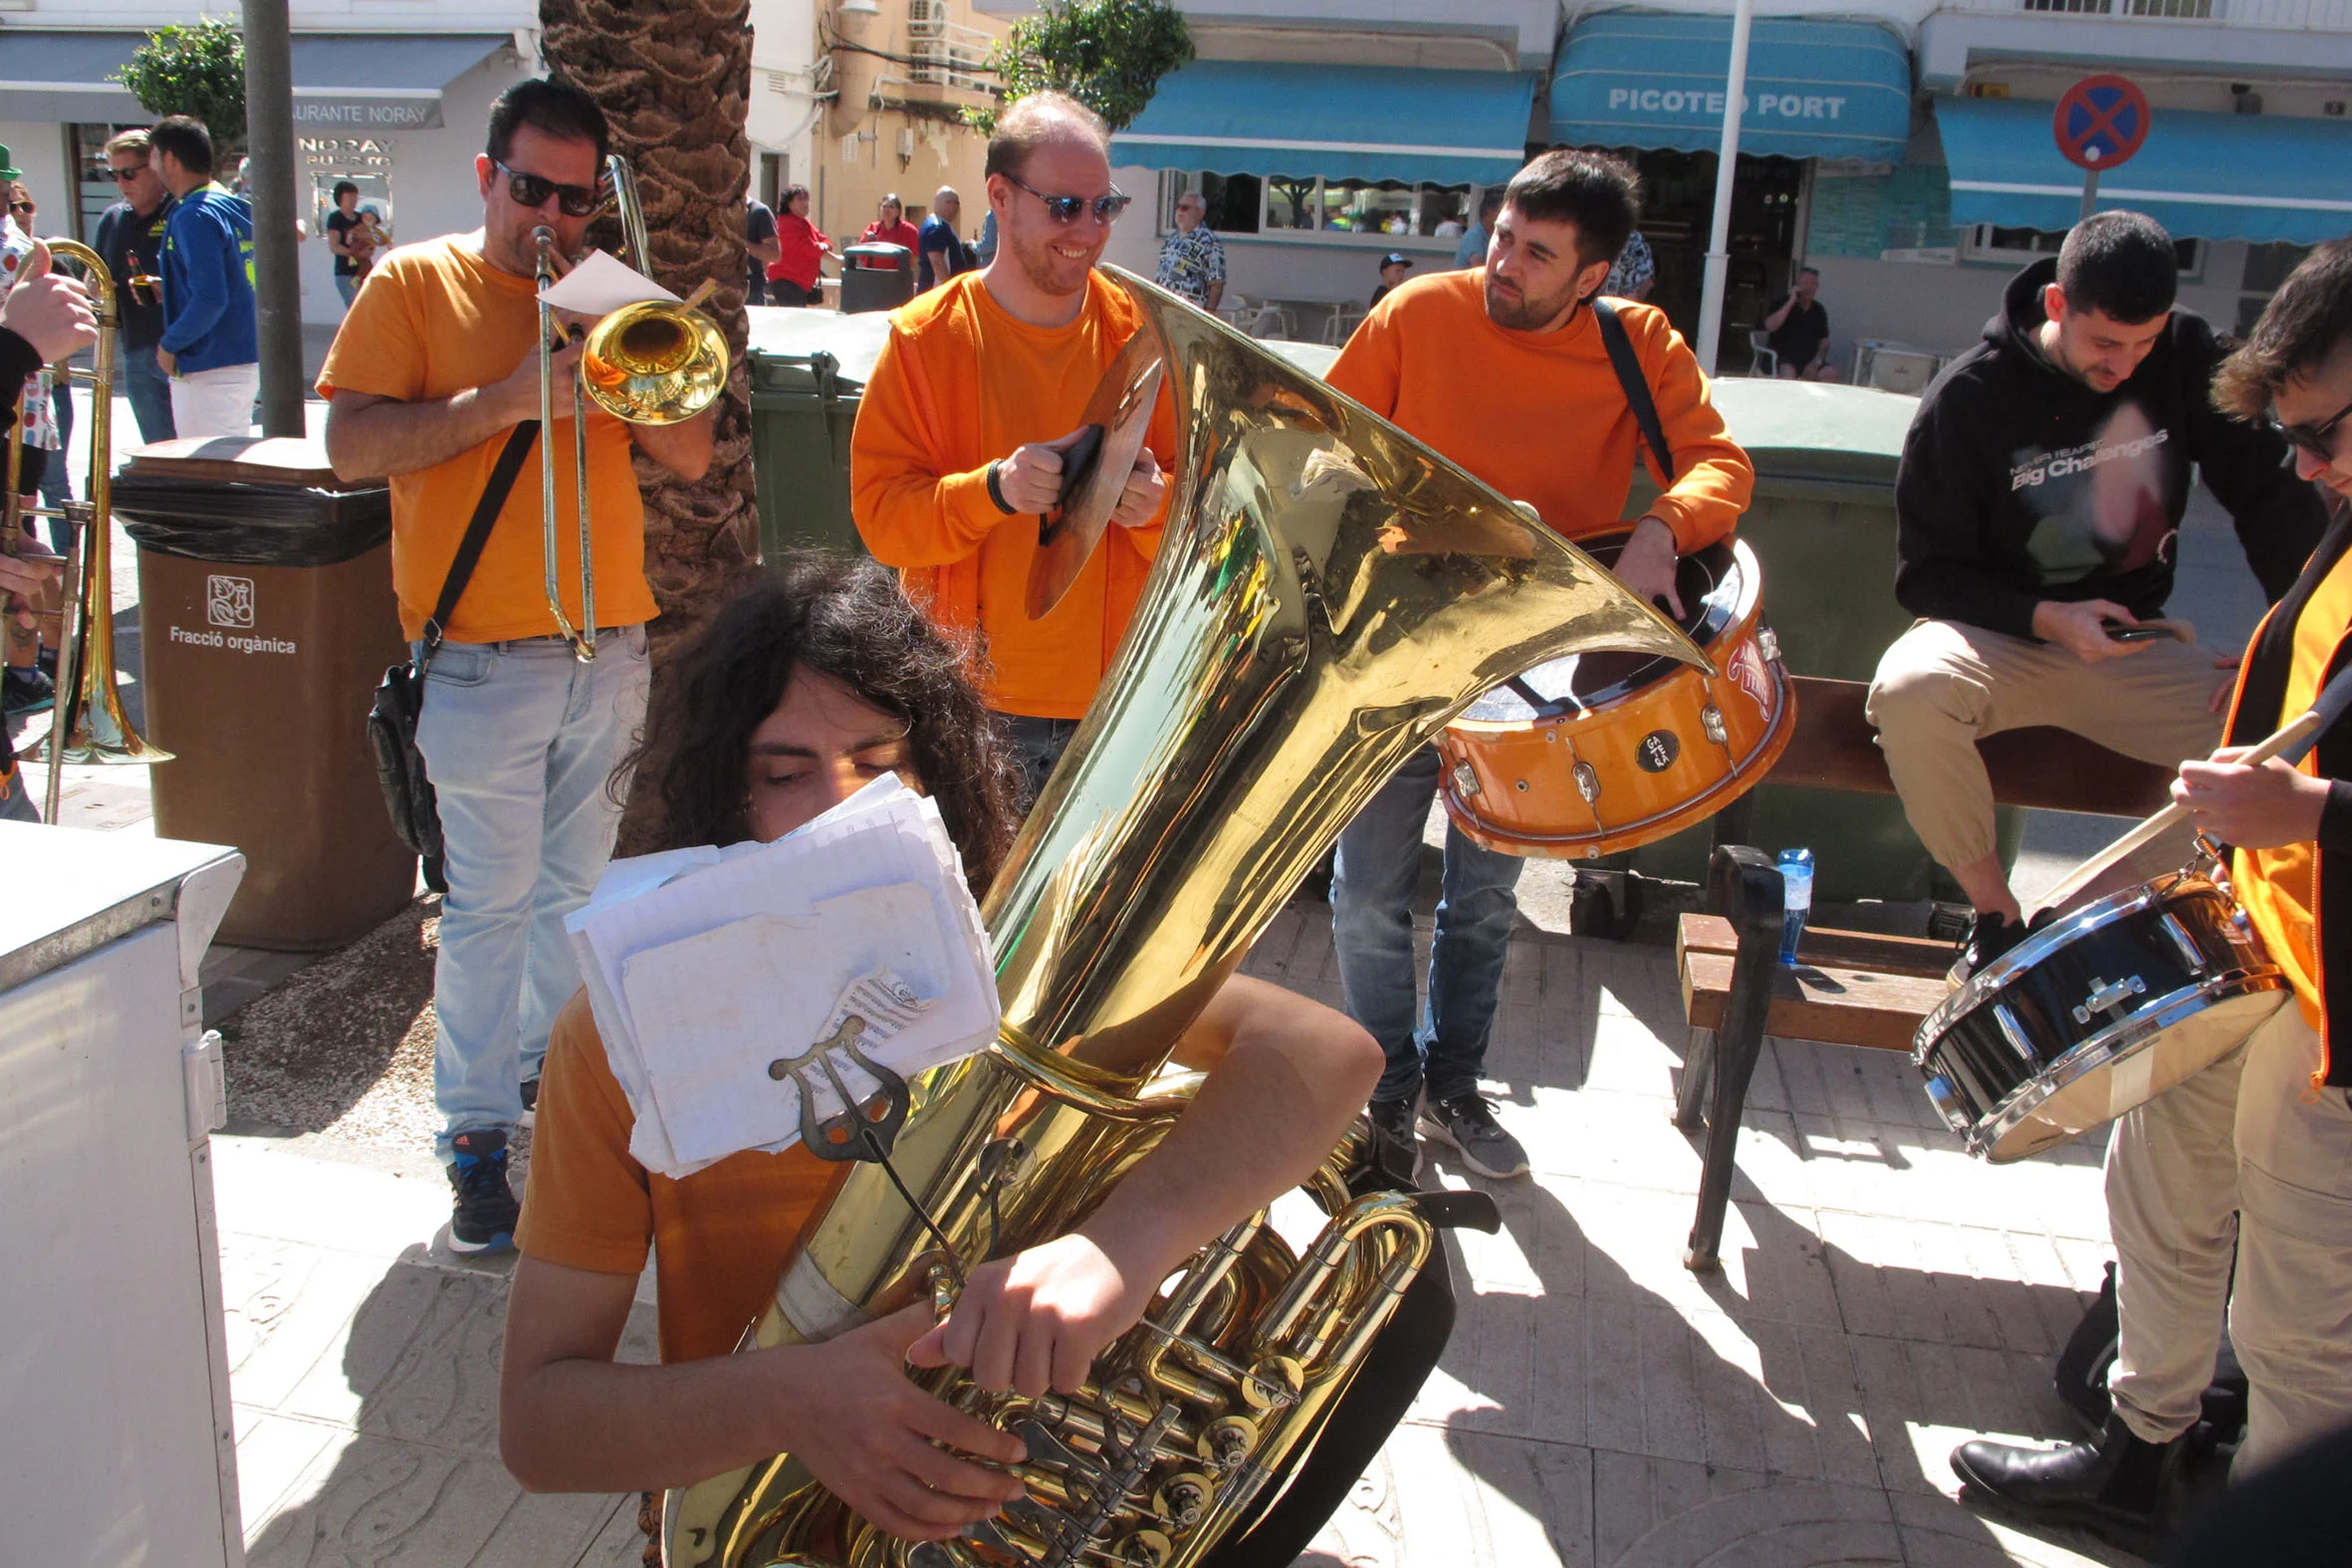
<point>2116,633</point>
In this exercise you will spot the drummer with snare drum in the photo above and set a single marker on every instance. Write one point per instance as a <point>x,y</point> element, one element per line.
<point>2038,508</point>
<point>1505,369</point>
<point>2247,1165</point>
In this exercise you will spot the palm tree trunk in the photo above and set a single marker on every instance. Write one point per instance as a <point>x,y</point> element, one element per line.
<point>672,77</point>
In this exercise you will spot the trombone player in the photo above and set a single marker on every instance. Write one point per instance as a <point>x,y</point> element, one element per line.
<point>435,368</point>
<point>44,318</point>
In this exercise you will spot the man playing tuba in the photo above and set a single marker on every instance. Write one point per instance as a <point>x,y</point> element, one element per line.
<point>816,680</point>
<point>433,369</point>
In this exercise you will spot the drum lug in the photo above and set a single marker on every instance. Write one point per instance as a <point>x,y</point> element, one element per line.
<point>1946,1099</point>
<point>1465,780</point>
<point>1587,781</point>
<point>1711,720</point>
<point>2106,998</point>
<point>1768,644</point>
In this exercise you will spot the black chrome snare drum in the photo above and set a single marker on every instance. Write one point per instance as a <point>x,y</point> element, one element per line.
<point>2105,1008</point>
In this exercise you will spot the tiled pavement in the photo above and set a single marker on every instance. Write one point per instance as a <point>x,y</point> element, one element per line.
<point>1882,1297</point>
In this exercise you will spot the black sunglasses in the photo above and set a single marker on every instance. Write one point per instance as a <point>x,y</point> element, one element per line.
<point>532,190</point>
<point>126,176</point>
<point>1065,209</point>
<point>20,206</point>
<point>2319,440</point>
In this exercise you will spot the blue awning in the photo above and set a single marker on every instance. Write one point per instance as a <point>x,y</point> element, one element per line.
<point>1815,90</point>
<point>342,81</point>
<point>2259,177</point>
<point>1234,116</point>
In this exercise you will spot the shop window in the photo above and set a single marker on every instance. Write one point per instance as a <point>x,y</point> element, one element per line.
<point>1989,242</point>
<point>1333,211</point>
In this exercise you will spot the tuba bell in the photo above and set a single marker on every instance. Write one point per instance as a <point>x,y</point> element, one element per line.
<point>1327,594</point>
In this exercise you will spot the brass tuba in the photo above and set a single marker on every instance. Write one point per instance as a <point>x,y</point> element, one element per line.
<point>1327,593</point>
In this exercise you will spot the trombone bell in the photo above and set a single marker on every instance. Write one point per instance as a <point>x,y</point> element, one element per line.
<point>654,363</point>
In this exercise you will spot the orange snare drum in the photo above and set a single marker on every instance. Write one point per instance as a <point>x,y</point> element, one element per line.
<point>1595,754</point>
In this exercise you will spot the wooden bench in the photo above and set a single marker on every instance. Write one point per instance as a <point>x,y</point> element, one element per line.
<point>1849,988</point>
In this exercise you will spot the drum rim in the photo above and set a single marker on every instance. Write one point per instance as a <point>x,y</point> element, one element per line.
<point>1746,606</point>
<point>1995,976</point>
<point>2177,1006</point>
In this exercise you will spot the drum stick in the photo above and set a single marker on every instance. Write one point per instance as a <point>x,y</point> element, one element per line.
<point>2289,745</point>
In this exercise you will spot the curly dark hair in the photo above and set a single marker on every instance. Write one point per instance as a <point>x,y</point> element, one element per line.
<point>842,617</point>
<point>2306,323</point>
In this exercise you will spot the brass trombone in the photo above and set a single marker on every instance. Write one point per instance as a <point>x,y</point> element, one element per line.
<point>88,724</point>
<point>650,363</point>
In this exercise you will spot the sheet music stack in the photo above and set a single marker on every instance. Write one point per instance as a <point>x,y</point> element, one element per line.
<point>706,965</point>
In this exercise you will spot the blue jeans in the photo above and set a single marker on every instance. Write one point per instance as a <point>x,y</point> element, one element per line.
<point>150,391</point>
<point>519,740</point>
<point>1373,887</point>
<point>346,284</point>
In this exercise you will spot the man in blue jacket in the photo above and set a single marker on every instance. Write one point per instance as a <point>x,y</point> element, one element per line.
<point>211,346</point>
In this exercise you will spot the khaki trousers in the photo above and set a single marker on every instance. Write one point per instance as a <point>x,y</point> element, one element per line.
<point>2244,1150</point>
<point>1945,684</point>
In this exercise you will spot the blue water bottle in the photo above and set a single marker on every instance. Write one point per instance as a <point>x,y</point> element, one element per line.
<point>1796,900</point>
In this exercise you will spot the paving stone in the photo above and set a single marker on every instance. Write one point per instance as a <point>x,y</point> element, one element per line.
<point>1772,1526</point>
<point>273,1452</point>
<point>392,1505</point>
<point>418,1362</point>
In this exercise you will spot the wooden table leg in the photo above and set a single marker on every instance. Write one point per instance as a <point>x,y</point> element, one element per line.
<point>1698,1069</point>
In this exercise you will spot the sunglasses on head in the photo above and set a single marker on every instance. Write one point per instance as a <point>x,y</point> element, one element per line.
<point>1065,209</point>
<point>2317,439</point>
<point>532,190</point>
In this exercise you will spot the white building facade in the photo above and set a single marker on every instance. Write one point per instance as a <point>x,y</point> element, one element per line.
<point>1903,149</point>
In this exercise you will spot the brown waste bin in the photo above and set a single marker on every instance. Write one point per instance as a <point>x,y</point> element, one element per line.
<point>266,619</point>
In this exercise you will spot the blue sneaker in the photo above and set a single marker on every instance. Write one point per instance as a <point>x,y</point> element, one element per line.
<point>484,1216</point>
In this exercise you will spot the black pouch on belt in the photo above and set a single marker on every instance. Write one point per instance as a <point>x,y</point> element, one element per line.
<point>399,697</point>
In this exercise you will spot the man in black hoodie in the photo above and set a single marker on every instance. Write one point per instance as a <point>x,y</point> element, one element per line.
<point>2037,505</point>
<point>2235,1186</point>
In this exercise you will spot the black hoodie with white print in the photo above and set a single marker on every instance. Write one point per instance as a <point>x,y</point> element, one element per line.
<point>2020,483</point>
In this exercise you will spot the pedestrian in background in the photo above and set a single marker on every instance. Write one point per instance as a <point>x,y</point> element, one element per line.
<point>892,228</point>
<point>1393,268</point>
<point>130,238</point>
<point>1192,257</point>
<point>341,226</point>
<point>211,347</point>
<point>793,278</point>
<point>1635,272</point>
<point>939,238</point>
<point>1471,252</point>
<point>759,237</point>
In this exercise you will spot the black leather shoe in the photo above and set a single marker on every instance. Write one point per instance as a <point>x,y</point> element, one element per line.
<point>2118,1482</point>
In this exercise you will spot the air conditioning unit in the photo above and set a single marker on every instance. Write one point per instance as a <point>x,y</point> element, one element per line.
<point>926,18</point>
<point>928,66</point>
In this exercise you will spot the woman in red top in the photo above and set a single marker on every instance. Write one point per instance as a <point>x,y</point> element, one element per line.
<point>892,228</point>
<point>793,276</point>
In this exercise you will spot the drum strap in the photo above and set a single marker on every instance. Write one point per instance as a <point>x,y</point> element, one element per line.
<point>1637,388</point>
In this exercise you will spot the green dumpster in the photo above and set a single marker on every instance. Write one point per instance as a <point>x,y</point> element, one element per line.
<point>1822,527</point>
<point>808,367</point>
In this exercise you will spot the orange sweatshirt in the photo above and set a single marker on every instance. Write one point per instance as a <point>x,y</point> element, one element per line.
<point>1539,416</point>
<point>958,386</point>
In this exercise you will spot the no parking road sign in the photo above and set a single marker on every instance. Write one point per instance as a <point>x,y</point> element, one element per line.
<point>2100,121</point>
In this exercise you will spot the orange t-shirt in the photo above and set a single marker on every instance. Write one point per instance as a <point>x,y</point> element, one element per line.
<point>434,319</point>
<point>720,1236</point>
<point>1541,416</point>
<point>960,383</point>
<point>2281,887</point>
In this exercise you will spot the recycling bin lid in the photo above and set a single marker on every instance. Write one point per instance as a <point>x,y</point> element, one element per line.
<point>878,256</point>
<point>299,461</point>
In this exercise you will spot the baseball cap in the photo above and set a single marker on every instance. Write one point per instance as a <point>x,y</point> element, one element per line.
<point>1392,259</point>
